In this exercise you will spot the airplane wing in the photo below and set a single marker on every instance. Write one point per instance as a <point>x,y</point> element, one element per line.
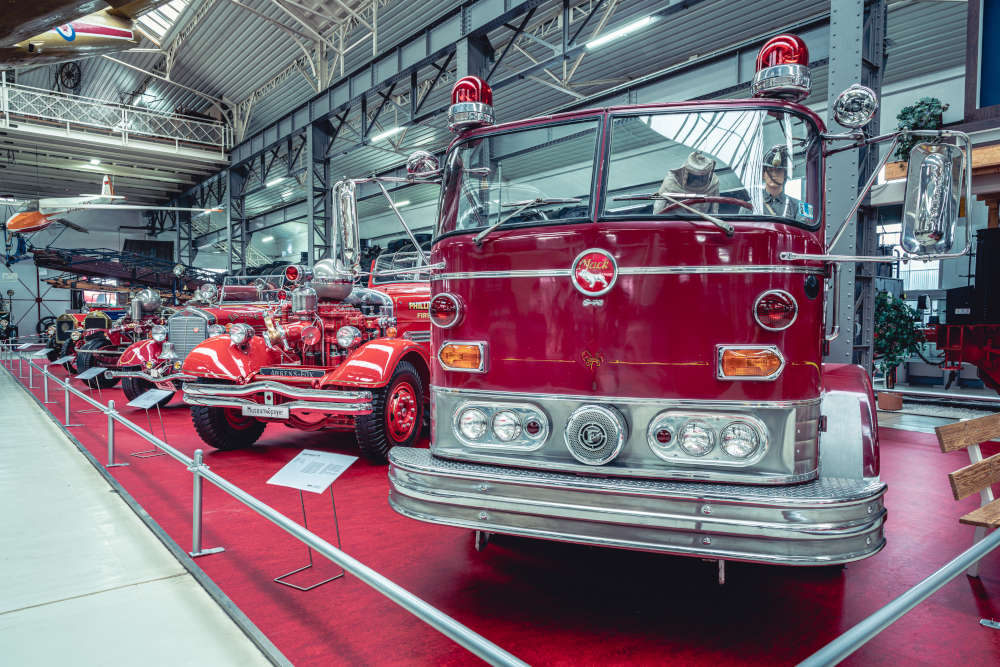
<point>71,225</point>
<point>21,19</point>
<point>140,207</point>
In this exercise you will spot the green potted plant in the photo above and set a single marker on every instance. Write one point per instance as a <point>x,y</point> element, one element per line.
<point>896,334</point>
<point>925,114</point>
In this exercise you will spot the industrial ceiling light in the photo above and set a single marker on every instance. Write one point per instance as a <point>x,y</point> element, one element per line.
<point>620,32</point>
<point>388,133</point>
<point>94,160</point>
<point>267,239</point>
<point>274,181</point>
<point>401,204</point>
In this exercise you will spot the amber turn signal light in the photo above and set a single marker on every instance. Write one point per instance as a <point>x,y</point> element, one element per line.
<point>749,363</point>
<point>467,357</point>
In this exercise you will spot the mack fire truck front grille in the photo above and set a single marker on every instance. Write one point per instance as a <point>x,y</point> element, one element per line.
<point>186,332</point>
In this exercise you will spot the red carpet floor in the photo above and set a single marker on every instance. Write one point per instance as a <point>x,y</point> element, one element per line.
<point>550,603</point>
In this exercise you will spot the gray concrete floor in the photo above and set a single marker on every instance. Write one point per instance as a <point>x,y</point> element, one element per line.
<point>82,580</point>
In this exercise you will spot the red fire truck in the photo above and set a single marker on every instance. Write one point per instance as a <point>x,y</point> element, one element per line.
<point>155,362</point>
<point>332,356</point>
<point>628,311</point>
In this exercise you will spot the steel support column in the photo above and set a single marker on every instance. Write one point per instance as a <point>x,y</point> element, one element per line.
<point>318,196</point>
<point>473,56</point>
<point>857,54</point>
<point>184,250</point>
<point>236,223</point>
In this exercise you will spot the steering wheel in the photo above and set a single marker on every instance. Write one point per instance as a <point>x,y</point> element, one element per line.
<point>44,324</point>
<point>702,199</point>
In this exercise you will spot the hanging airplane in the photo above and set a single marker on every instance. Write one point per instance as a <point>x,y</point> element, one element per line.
<point>39,32</point>
<point>34,215</point>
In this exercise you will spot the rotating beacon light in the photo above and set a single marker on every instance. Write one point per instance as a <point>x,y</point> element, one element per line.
<point>471,104</point>
<point>782,69</point>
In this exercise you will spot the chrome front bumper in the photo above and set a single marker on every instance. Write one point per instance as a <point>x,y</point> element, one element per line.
<point>824,522</point>
<point>169,377</point>
<point>305,399</point>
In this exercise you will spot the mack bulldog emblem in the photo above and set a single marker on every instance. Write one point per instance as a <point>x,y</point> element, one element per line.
<point>594,272</point>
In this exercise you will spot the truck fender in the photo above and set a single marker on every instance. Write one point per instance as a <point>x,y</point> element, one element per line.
<point>217,358</point>
<point>372,364</point>
<point>140,352</point>
<point>849,445</point>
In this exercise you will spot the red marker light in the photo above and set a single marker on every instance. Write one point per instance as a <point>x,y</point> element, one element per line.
<point>775,310</point>
<point>292,273</point>
<point>310,335</point>
<point>446,310</point>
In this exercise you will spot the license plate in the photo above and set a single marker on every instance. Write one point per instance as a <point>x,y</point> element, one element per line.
<point>270,411</point>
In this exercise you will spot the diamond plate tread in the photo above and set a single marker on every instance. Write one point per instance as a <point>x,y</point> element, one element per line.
<point>823,490</point>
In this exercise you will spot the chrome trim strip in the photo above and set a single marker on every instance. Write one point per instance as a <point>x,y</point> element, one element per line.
<point>148,377</point>
<point>324,407</point>
<point>289,391</point>
<point>628,400</point>
<point>720,349</point>
<point>636,271</point>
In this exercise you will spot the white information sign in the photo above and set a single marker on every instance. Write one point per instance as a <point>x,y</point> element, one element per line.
<point>149,398</point>
<point>41,353</point>
<point>312,470</point>
<point>63,360</point>
<point>24,346</point>
<point>91,373</point>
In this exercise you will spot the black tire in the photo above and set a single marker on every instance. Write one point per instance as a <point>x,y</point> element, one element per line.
<point>68,349</point>
<point>87,361</point>
<point>225,428</point>
<point>377,433</point>
<point>133,388</point>
<point>55,349</point>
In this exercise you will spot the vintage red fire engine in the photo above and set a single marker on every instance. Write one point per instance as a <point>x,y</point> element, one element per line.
<point>628,311</point>
<point>334,356</point>
<point>155,362</point>
<point>98,337</point>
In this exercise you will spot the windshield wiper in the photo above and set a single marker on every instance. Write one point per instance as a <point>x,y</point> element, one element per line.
<point>645,196</point>
<point>521,206</point>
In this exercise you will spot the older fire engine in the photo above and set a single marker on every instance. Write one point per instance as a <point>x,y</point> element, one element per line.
<point>628,311</point>
<point>155,362</point>
<point>332,356</point>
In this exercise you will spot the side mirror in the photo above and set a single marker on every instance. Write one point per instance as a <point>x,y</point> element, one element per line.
<point>348,250</point>
<point>933,192</point>
<point>422,164</point>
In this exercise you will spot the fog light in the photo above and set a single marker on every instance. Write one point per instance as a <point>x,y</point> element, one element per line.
<point>158,333</point>
<point>472,423</point>
<point>506,425</point>
<point>740,440</point>
<point>348,336</point>
<point>240,333</point>
<point>696,438</point>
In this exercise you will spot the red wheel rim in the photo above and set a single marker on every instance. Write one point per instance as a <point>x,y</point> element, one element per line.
<point>401,412</point>
<point>236,420</point>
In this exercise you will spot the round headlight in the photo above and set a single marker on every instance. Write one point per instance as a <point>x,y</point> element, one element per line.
<point>348,336</point>
<point>208,292</point>
<point>506,425</point>
<point>216,330</point>
<point>740,440</point>
<point>240,333</point>
<point>855,107</point>
<point>158,333</point>
<point>696,438</point>
<point>472,423</point>
<point>75,335</point>
<point>4,323</point>
<point>51,330</point>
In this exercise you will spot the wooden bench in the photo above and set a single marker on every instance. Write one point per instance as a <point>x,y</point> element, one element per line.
<point>979,475</point>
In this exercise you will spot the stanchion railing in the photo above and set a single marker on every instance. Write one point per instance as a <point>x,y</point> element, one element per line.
<point>434,617</point>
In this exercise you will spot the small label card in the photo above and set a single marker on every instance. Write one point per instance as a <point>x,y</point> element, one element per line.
<point>312,470</point>
<point>63,360</point>
<point>149,398</point>
<point>91,373</point>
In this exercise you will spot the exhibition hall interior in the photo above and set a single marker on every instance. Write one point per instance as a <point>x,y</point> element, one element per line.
<point>452,332</point>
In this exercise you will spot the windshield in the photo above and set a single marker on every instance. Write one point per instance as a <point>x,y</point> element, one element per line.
<point>745,162</point>
<point>536,175</point>
<point>389,267</point>
<point>252,289</point>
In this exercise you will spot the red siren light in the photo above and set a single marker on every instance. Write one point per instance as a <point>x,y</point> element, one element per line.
<point>783,69</point>
<point>471,104</point>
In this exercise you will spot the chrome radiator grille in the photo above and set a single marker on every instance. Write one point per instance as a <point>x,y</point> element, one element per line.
<point>186,332</point>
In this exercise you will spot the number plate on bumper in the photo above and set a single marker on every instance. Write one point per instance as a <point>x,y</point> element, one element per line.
<point>270,411</point>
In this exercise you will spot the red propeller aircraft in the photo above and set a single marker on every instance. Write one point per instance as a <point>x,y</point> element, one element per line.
<point>34,215</point>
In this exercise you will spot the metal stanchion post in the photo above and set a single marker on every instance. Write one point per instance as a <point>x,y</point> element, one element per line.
<point>20,369</point>
<point>66,399</point>
<point>196,549</point>
<point>111,437</point>
<point>45,386</point>
<point>31,375</point>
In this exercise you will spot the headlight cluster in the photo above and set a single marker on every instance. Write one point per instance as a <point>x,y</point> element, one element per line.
<point>240,333</point>
<point>682,437</point>
<point>158,333</point>
<point>76,335</point>
<point>216,330</point>
<point>508,425</point>
<point>348,336</point>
